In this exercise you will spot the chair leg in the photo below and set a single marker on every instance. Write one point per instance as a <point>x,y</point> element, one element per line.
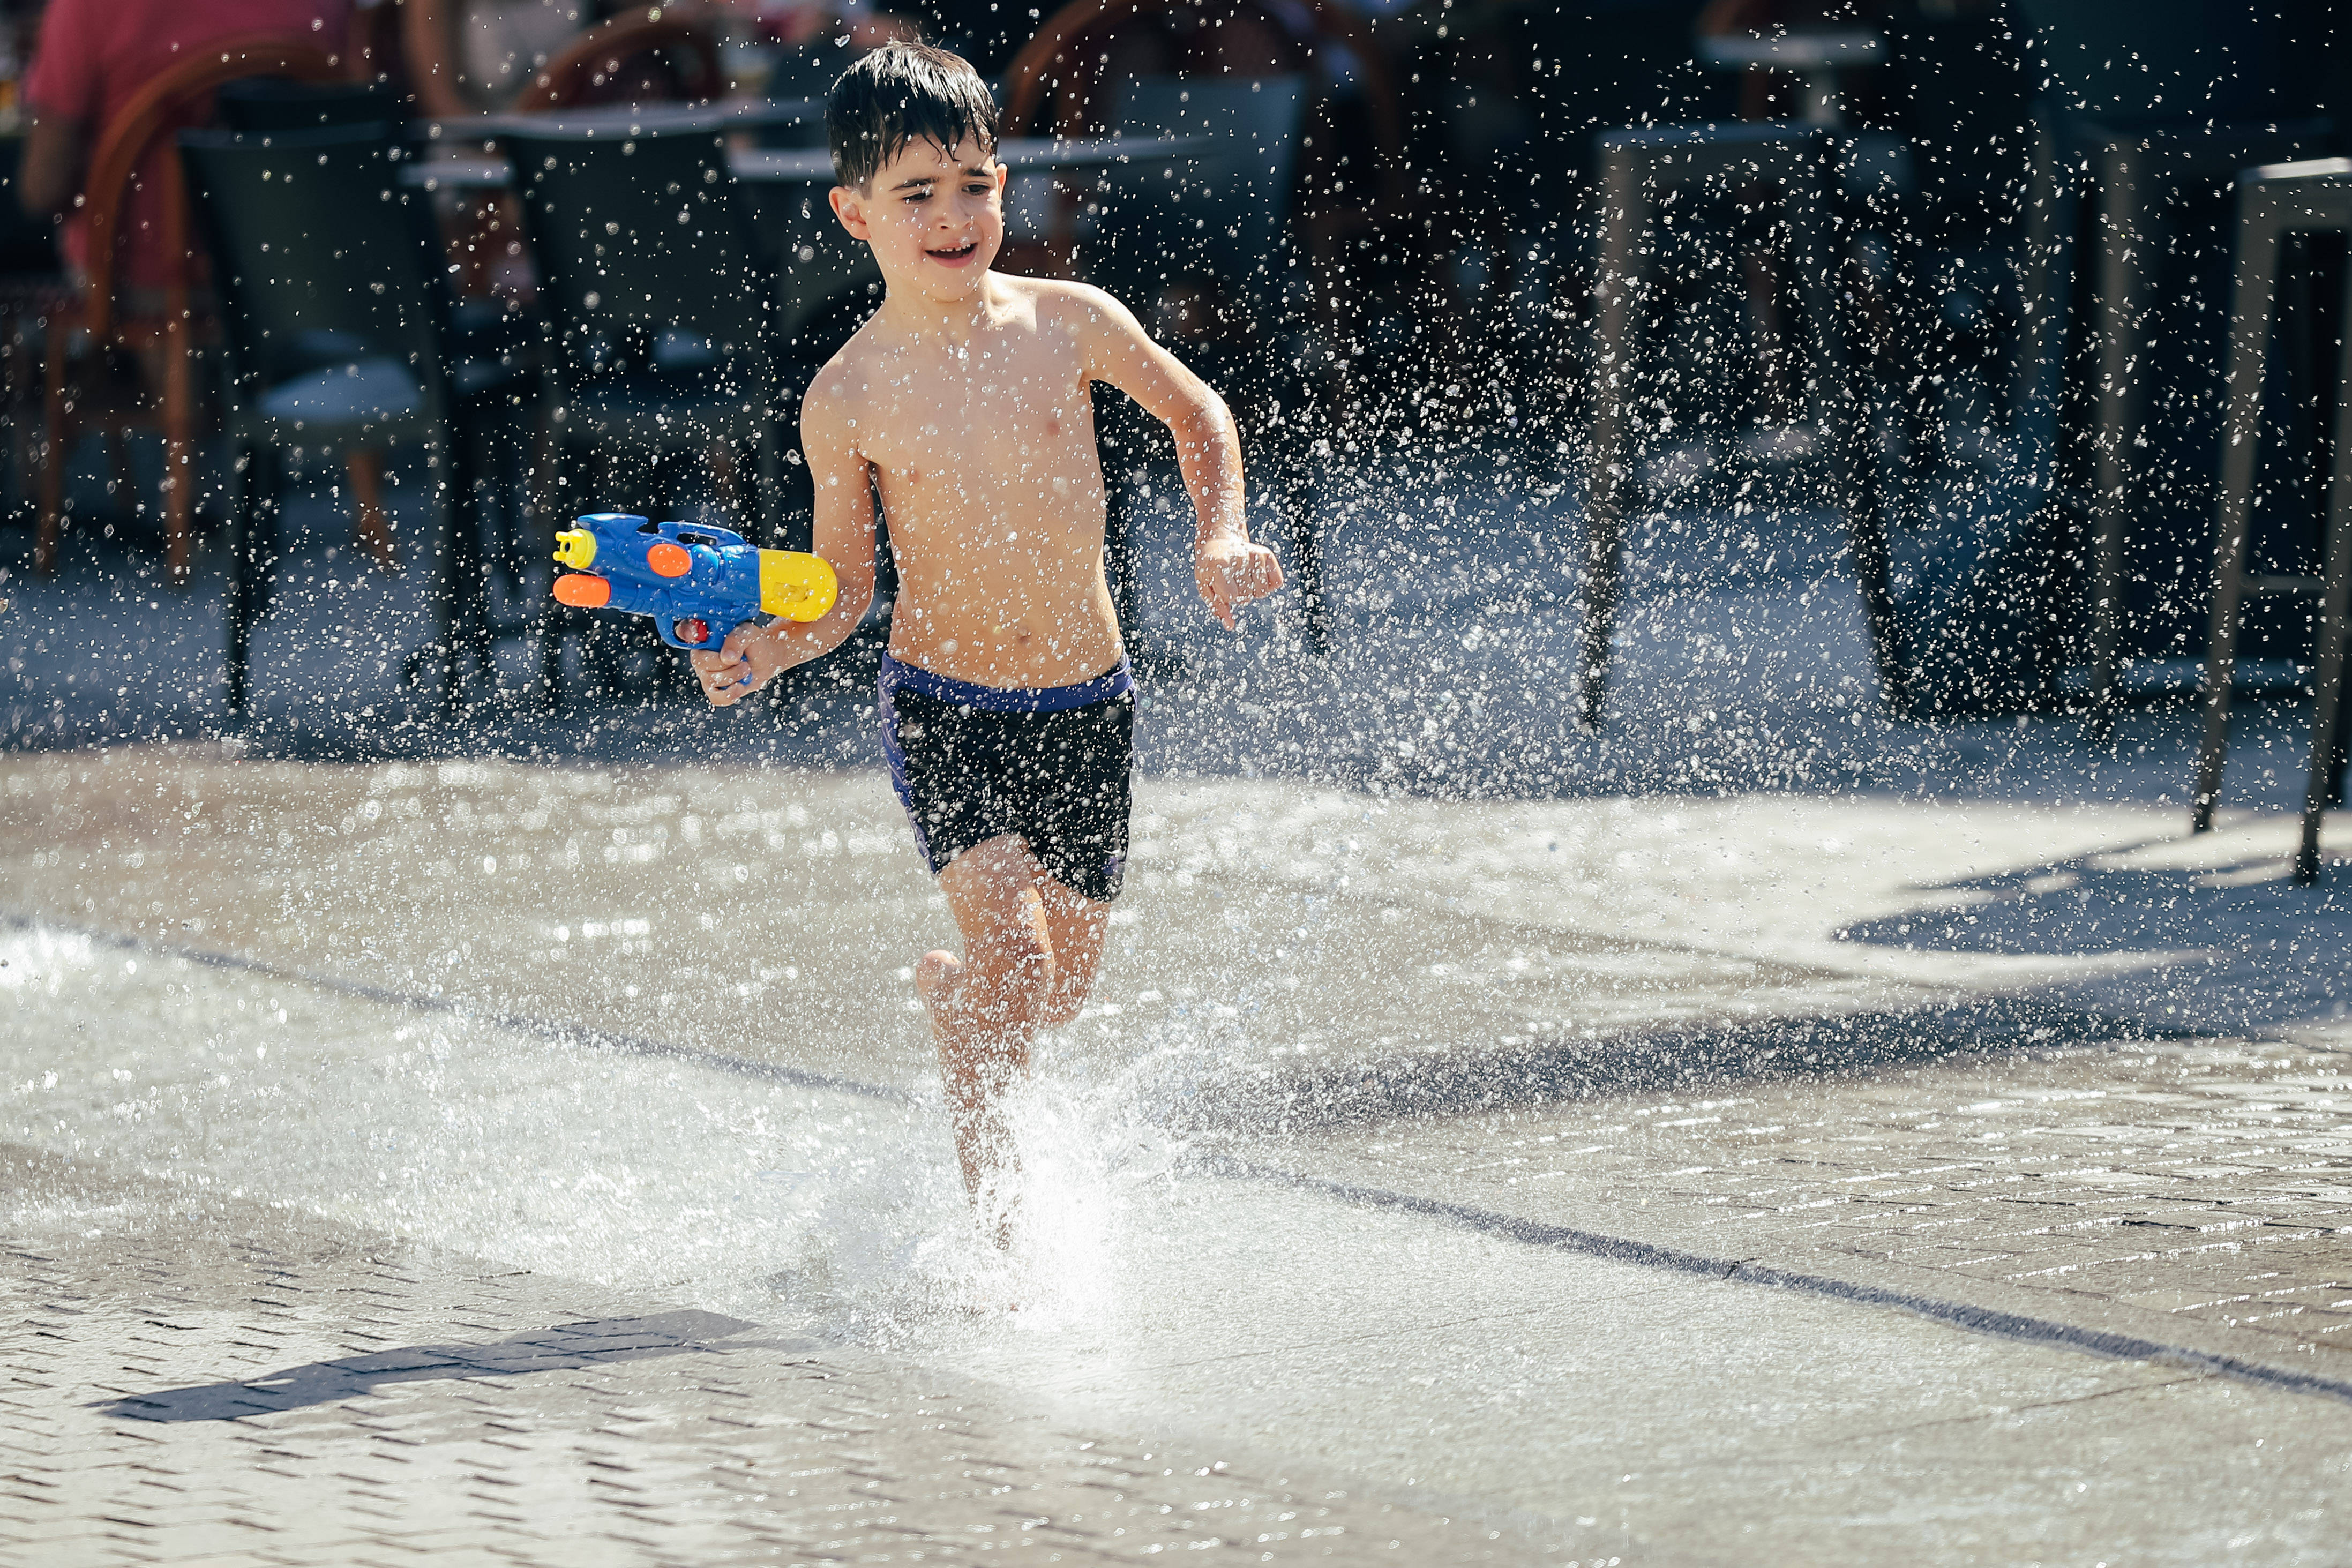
<point>371,528</point>
<point>1625,220</point>
<point>2249,339</point>
<point>2123,277</point>
<point>54,452</point>
<point>2326,719</point>
<point>179,447</point>
<point>1299,507</point>
<point>469,557</point>
<point>243,557</point>
<point>768,487</point>
<point>552,617</point>
<point>1839,412</point>
<point>1118,554</point>
<point>450,480</point>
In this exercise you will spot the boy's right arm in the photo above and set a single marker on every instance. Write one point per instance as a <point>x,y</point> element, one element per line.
<point>754,655</point>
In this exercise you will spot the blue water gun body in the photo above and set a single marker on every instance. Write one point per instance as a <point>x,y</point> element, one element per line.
<point>698,583</point>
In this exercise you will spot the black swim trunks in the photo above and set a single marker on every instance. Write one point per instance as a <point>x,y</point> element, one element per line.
<point>1053,767</point>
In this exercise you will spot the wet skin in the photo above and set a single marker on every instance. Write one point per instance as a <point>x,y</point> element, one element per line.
<point>965,404</point>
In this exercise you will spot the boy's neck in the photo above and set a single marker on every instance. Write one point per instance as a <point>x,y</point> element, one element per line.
<point>951,321</point>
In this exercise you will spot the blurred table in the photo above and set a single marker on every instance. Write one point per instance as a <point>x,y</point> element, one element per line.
<point>805,166</point>
<point>633,120</point>
<point>817,263</point>
<point>1815,55</point>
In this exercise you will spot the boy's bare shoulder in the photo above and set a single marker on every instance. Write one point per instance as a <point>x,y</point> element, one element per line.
<point>838,391</point>
<point>1064,303</point>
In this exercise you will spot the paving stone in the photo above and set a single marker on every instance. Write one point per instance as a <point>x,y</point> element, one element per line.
<point>434,1441</point>
<point>1967,1177</point>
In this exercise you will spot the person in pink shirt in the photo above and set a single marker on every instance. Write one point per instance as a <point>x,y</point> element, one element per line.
<point>91,60</point>
<point>92,57</point>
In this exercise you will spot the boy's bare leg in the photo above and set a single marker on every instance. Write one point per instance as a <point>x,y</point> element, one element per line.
<point>1078,925</point>
<point>1030,949</point>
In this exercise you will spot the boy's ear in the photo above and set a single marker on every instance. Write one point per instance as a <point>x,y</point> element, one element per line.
<point>850,206</point>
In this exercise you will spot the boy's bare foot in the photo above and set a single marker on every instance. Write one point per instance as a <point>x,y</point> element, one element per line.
<point>936,974</point>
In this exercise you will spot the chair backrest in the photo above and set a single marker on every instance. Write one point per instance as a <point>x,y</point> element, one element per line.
<point>1219,211</point>
<point>640,241</point>
<point>322,254</point>
<point>586,71</point>
<point>28,246</point>
<point>278,103</point>
<point>124,145</point>
<point>577,70</point>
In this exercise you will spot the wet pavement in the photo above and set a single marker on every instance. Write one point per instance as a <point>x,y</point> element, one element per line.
<point>1669,1180</point>
<point>1765,1132</point>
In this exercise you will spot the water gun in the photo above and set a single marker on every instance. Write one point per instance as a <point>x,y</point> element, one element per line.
<point>698,583</point>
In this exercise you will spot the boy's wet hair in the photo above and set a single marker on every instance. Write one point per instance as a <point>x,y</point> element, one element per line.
<point>902,93</point>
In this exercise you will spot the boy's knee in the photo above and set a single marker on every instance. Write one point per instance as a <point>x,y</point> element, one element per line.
<point>1013,968</point>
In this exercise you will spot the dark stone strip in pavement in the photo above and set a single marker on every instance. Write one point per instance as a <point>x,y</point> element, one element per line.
<point>1553,1069</point>
<point>522,1023</point>
<point>1652,1255</point>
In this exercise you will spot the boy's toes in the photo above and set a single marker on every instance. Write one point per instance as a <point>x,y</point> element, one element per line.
<point>935,977</point>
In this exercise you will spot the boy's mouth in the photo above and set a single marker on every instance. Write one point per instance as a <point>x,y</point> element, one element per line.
<point>956,257</point>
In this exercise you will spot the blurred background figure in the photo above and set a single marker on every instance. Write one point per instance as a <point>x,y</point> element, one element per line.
<point>91,61</point>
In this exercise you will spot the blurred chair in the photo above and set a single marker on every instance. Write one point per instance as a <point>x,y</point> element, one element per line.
<point>335,307</point>
<point>489,331</point>
<point>660,316</point>
<point>1636,167</point>
<point>468,57</point>
<point>1505,98</point>
<point>34,292</point>
<point>1068,67</point>
<point>1208,250</point>
<point>281,103</point>
<point>545,57</point>
<point>122,146</point>
<point>641,55</point>
<point>2137,179</point>
<point>2151,110</point>
<point>267,105</point>
<point>1220,212</point>
<point>2275,204</point>
<point>1201,245</point>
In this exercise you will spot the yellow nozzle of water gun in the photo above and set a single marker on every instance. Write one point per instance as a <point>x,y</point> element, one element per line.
<point>576,547</point>
<point>796,586</point>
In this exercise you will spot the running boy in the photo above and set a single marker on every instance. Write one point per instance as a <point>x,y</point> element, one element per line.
<point>1007,709</point>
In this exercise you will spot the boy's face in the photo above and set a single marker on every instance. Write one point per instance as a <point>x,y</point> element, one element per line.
<point>934,216</point>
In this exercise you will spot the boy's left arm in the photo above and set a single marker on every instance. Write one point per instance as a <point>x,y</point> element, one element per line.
<point>1229,570</point>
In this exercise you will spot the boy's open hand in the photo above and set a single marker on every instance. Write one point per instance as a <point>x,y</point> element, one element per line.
<point>1231,572</point>
<point>744,663</point>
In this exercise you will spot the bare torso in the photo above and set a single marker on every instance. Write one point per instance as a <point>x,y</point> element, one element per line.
<point>982,454</point>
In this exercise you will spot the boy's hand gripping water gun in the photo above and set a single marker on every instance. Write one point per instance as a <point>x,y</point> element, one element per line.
<point>699,583</point>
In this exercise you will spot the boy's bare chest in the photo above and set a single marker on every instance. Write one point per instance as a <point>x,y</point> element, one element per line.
<point>994,414</point>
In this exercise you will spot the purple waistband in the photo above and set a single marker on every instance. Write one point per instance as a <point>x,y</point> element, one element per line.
<point>1117,681</point>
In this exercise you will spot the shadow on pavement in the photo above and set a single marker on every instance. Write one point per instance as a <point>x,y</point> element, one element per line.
<point>564,1347</point>
<point>2090,905</point>
<point>1549,1071</point>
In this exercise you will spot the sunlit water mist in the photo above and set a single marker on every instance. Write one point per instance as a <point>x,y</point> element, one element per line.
<point>828,1211</point>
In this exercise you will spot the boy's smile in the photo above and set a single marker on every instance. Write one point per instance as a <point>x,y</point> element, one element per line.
<point>934,216</point>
